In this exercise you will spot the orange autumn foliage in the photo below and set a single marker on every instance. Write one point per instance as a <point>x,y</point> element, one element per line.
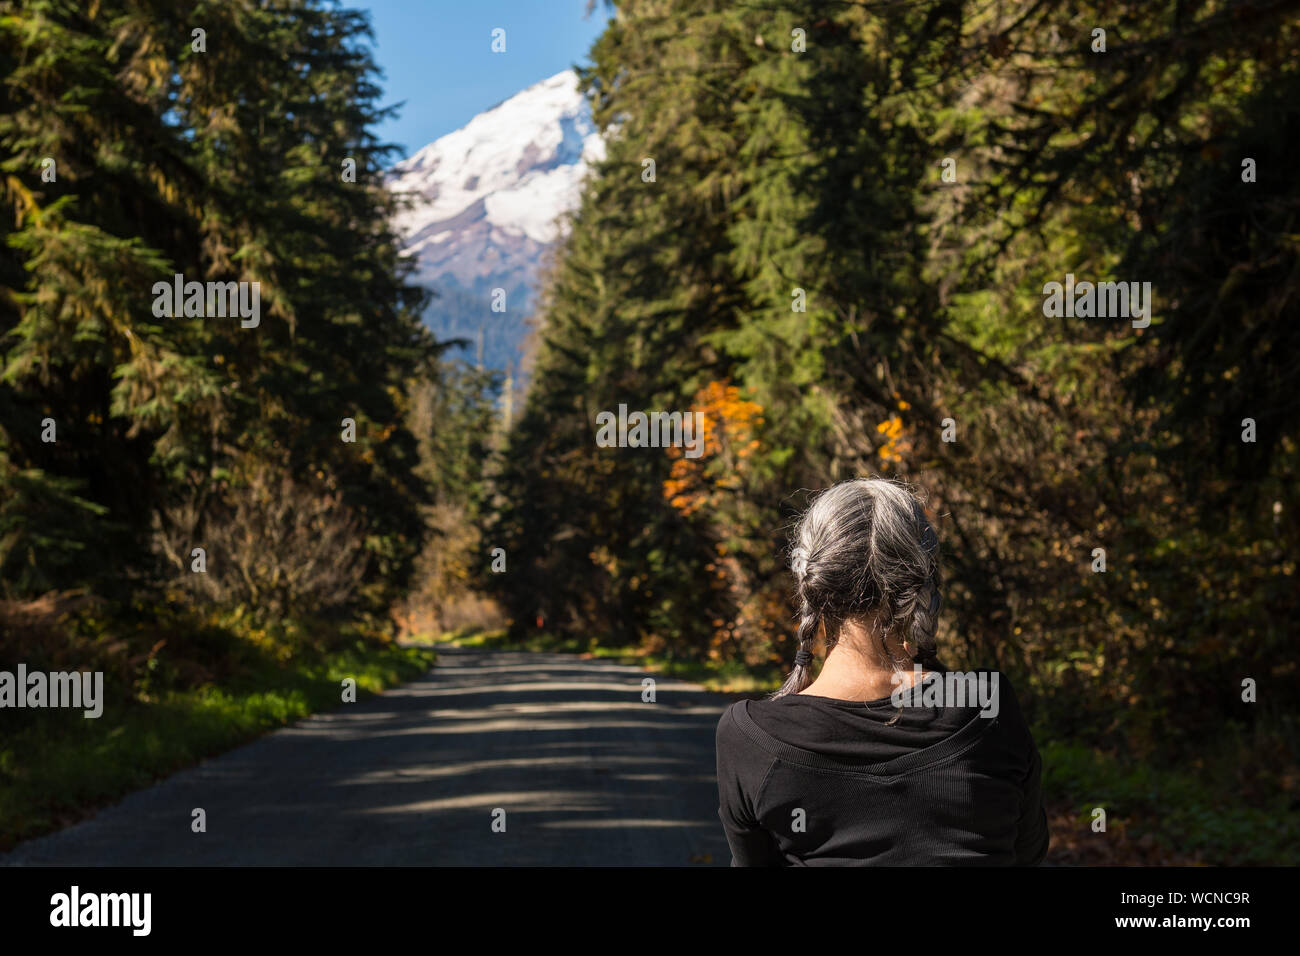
<point>897,444</point>
<point>727,438</point>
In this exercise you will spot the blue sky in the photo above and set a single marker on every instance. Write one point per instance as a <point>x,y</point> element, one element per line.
<point>437,57</point>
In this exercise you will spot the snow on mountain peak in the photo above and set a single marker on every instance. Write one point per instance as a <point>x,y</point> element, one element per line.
<point>523,159</point>
<point>485,203</point>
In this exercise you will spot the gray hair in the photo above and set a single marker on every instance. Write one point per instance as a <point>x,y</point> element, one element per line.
<point>864,547</point>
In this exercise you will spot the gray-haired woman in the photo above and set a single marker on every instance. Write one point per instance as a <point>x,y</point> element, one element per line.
<point>886,757</point>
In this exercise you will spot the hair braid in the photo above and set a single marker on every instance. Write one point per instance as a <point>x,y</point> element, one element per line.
<point>922,621</point>
<point>865,547</point>
<point>801,674</point>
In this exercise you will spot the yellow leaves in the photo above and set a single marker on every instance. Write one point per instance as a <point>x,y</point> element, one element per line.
<point>23,200</point>
<point>892,429</point>
<point>896,443</point>
<point>727,437</point>
<point>164,185</point>
<point>681,502</point>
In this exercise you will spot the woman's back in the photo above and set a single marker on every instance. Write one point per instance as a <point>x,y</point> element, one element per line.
<point>884,756</point>
<point>806,780</point>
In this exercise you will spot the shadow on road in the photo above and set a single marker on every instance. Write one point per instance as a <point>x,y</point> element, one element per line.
<point>585,772</point>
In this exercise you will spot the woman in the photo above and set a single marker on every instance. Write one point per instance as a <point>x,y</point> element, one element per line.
<point>885,758</point>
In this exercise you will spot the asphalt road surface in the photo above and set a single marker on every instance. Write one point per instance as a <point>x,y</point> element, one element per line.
<point>587,773</point>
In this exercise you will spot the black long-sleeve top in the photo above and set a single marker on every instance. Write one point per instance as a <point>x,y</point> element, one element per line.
<point>813,781</point>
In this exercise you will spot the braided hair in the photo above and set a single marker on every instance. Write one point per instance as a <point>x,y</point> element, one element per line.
<point>863,547</point>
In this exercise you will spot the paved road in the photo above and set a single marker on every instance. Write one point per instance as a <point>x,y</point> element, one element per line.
<point>586,772</point>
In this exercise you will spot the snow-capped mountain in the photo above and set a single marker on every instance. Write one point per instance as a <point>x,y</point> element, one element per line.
<point>487,201</point>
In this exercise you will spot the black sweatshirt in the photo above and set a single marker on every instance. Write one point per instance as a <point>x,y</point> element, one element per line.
<point>812,781</point>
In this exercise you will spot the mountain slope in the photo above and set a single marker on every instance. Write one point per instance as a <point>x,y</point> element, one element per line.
<point>485,207</point>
